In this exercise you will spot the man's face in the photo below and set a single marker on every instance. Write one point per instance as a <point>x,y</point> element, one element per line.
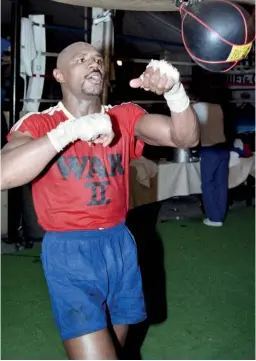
<point>84,72</point>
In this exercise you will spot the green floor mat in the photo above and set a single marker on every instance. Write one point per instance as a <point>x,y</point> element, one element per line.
<point>209,287</point>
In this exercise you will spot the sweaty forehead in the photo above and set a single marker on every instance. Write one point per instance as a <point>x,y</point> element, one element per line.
<point>85,49</point>
<point>75,50</point>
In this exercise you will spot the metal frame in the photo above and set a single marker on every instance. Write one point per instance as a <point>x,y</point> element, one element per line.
<point>14,195</point>
<point>16,14</point>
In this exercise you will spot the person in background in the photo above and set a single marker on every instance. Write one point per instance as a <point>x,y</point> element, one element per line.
<point>214,154</point>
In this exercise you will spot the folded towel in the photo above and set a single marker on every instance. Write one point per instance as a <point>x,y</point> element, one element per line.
<point>146,169</point>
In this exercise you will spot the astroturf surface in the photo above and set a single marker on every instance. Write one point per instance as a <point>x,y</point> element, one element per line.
<point>209,292</point>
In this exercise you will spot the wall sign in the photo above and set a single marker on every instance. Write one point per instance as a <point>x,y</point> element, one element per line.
<point>241,80</point>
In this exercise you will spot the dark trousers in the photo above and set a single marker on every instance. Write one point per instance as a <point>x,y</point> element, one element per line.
<point>214,177</point>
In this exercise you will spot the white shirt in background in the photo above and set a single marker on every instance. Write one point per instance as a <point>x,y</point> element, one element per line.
<point>211,121</point>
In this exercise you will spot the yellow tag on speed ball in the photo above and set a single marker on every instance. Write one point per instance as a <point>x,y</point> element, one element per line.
<point>239,52</point>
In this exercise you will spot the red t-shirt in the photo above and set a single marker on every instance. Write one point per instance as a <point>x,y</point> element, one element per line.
<point>85,187</point>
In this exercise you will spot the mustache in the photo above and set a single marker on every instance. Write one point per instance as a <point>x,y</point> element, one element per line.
<point>93,73</point>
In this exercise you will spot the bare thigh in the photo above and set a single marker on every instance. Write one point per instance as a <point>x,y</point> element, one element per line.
<point>94,346</point>
<point>121,332</point>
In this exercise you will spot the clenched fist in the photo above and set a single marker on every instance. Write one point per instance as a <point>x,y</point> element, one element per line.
<point>159,77</point>
<point>93,128</point>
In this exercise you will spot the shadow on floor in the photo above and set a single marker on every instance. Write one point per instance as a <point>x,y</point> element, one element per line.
<point>142,223</point>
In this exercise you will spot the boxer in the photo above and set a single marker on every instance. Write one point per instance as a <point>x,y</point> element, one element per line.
<point>77,156</point>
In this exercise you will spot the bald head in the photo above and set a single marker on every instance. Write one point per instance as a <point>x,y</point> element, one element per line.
<point>75,49</point>
<point>80,70</point>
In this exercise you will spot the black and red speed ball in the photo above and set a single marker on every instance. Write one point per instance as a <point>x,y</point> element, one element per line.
<point>216,34</point>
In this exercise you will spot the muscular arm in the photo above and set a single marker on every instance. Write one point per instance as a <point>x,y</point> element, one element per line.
<point>181,130</point>
<point>24,158</point>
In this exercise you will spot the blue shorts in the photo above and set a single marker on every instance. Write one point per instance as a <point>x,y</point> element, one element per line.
<point>89,273</point>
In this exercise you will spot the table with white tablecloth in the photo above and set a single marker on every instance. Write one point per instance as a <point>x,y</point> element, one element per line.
<point>163,180</point>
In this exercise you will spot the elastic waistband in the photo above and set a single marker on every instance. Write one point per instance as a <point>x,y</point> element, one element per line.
<point>91,233</point>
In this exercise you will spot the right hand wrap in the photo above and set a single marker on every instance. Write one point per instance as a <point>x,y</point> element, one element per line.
<point>85,128</point>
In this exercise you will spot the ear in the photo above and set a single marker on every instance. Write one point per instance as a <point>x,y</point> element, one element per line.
<point>58,76</point>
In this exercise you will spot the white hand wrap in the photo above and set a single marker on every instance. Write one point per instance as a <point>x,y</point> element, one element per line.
<point>85,128</point>
<point>165,69</point>
<point>176,98</point>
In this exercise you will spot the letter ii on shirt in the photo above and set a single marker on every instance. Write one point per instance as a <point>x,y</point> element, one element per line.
<point>84,187</point>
